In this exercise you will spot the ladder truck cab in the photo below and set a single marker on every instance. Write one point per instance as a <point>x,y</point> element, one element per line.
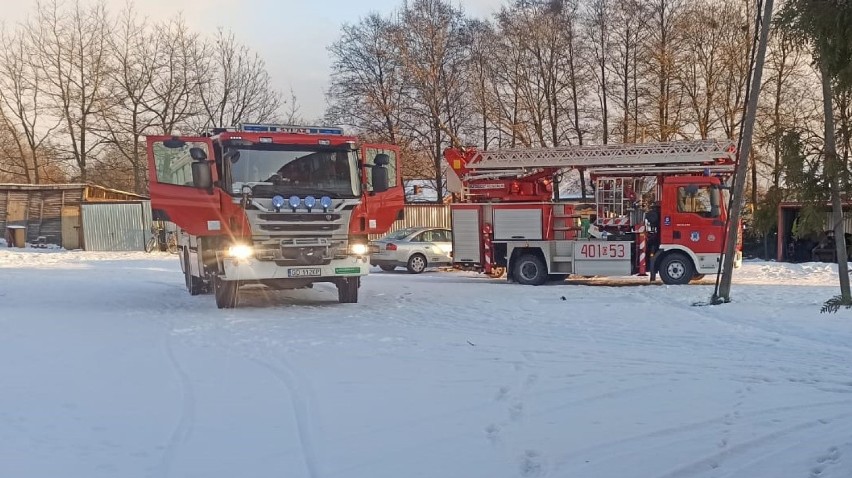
<point>276,205</point>
<point>659,208</point>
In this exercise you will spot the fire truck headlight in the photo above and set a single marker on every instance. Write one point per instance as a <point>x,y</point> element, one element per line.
<point>240,251</point>
<point>358,249</point>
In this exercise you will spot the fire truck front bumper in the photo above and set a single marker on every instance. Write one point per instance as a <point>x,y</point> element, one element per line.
<point>255,270</point>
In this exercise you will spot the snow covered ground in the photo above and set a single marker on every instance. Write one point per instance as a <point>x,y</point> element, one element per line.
<point>108,368</point>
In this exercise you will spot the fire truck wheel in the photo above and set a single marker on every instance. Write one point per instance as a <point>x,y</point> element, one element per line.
<point>194,284</point>
<point>676,269</point>
<point>556,277</point>
<point>226,292</point>
<point>416,264</point>
<point>698,277</point>
<point>347,290</point>
<point>530,270</point>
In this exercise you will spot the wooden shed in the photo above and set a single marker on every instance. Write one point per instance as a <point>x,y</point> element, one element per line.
<point>52,213</point>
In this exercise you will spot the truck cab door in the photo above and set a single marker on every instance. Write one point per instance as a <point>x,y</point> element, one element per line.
<point>181,173</point>
<point>380,209</point>
<point>693,216</point>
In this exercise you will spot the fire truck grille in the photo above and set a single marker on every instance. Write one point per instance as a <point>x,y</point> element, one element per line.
<point>290,227</point>
<point>300,251</point>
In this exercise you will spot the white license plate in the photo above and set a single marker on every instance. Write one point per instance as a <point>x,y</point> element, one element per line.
<point>305,272</point>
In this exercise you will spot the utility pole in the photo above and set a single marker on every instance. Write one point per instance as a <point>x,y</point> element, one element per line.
<point>723,294</point>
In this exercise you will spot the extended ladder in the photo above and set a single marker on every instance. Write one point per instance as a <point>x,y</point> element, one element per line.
<point>674,156</point>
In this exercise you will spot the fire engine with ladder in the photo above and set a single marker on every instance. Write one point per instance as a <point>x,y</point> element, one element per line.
<point>659,208</point>
<point>279,206</point>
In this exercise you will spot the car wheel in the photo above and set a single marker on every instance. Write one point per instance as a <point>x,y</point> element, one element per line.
<point>388,268</point>
<point>676,269</point>
<point>530,270</point>
<point>416,264</point>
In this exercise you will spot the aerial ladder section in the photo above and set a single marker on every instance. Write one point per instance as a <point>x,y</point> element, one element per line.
<point>674,157</point>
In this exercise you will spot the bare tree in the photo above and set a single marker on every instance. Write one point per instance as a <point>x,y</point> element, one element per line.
<point>434,45</point>
<point>127,118</point>
<point>664,42</point>
<point>22,103</point>
<point>176,81</point>
<point>703,26</point>
<point>367,80</point>
<point>598,23</point>
<point>240,89</point>
<point>626,59</point>
<point>738,45</point>
<point>789,83</point>
<point>71,49</point>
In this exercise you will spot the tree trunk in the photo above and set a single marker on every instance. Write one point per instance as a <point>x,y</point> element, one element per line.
<point>835,169</point>
<point>753,179</point>
<point>438,159</point>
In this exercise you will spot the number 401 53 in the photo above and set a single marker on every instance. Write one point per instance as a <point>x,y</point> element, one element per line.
<point>603,251</point>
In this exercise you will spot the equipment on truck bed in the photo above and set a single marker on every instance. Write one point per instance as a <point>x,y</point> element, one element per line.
<point>658,207</point>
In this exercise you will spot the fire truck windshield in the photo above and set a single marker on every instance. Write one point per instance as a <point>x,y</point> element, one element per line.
<point>283,169</point>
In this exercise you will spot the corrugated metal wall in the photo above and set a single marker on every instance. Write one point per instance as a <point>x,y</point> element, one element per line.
<point>422,215</point>
<point>847,220</point>
<point>116,227</point>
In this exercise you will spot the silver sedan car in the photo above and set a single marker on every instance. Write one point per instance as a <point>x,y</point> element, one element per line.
<point>414,248</point>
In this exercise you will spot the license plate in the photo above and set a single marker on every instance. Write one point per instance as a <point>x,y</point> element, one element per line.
<point>305,272</point>
<point>374,249</point>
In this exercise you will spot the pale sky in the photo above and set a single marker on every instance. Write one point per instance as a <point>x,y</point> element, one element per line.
<point>291,35</point>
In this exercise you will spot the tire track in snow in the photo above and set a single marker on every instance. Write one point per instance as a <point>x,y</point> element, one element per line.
<point>691,427</point>
<point>292,381</point>
<point>713,461</point>
<point>301,411</point>
<point>186,423</point>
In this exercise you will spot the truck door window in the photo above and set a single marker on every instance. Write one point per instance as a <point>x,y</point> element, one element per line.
<point>369,161</point>
<point>174,165</point>
<point>701,200</point>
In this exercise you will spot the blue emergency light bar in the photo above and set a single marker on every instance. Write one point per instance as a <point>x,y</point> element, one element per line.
<point>283,128</point>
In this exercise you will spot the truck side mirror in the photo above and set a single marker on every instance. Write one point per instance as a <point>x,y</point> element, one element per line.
<point>202,176</point>
<point>197,154</point>
<point>381,159</point>
<point>380,173</point>
<point>380,179</point>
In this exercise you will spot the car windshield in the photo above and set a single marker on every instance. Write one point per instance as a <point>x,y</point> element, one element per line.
<point>400,234</point>
<point>284,169</point>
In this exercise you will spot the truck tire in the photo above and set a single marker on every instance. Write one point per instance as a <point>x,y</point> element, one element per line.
<point>556,277</point>
<point>697,277</point>
<point>530,270</point>
<point>226,292</point>
<point>347,290</point>
<point>676,269</point>
<point>416,263</point>
<point>195,285</point>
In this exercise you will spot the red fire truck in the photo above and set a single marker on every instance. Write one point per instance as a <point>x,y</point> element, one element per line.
<point>658,208</point>
<point>276,205</point>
